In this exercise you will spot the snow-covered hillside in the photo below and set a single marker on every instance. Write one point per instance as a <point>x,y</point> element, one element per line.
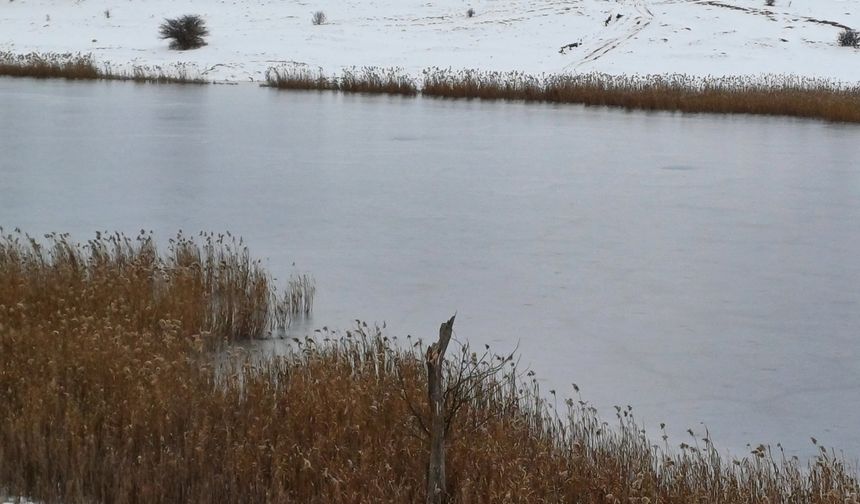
<point>720,37</point>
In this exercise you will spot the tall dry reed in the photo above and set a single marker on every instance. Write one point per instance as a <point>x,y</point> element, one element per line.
<point>51,65</point>
<point>211,284</point>
<point>110,393</point>
<point>352,80</point>
<point>764,95</point>
<point>300,78</point>
<point>784,95</point>
<point>83,67</point>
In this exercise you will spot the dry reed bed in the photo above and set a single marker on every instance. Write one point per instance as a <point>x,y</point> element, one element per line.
<point>109,394</point>
<point>352,80</point>
<point>44,66</point>
<point>764,95</point>
<point>83,67</point>
<point>210,284</point>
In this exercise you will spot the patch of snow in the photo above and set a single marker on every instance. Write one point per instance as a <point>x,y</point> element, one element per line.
<point>15,500</point>
<point>700,37</point>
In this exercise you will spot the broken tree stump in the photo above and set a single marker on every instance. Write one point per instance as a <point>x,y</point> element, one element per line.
<point>435,358</point>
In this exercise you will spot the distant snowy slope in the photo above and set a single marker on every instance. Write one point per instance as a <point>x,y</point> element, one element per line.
<point>720,37</point>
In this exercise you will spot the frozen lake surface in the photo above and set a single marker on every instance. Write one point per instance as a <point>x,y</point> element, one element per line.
<point>702,269</point>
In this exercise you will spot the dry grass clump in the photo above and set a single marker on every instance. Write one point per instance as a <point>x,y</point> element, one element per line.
<point>377,80</point>
<point>300,295</point>
<point>211,286</point>
<point>295,77</point>
<point>318,18</point>
<point>766,95</point>
<point>78,66</point>
<point>109,394</point>
<point>351,80</point>
<point>484,85</point>
<point>49,65</point>
<point>176,74</point>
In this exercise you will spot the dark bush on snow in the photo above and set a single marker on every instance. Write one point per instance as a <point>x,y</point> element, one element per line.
<point>319,18</point>
<point>849,38</point>
<point>184,32</point>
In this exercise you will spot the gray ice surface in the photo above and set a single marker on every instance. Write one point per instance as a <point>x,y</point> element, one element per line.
<point>703,269</point>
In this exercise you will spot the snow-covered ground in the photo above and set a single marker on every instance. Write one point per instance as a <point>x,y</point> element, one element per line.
<point>718,37</point>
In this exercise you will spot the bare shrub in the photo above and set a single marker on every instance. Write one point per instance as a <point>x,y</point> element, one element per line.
<point>319,18</point>
<point>185,32</point>
<point>849,38</point>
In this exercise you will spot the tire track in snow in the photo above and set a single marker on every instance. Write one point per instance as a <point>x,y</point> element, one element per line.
<point>772,13</point>
<point>631,26</point>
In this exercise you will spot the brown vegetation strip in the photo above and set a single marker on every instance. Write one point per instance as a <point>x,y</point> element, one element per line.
<point>765,95</point>
<point>110,392</point>
<point>83,67</point>
<point>363,80</point>
<point>48,66</point>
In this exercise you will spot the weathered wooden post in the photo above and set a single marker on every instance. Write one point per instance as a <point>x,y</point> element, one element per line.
<point>436,485</point>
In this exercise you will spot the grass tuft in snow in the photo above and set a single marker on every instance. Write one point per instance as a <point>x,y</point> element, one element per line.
<point>318,18</point>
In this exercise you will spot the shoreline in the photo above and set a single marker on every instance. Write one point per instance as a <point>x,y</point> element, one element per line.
<point>769,95</point>
<point>621,37</point>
